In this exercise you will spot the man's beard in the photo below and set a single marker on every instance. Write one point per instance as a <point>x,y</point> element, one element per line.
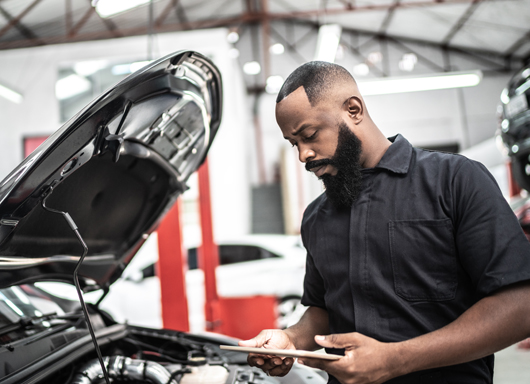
<point>343,188</point>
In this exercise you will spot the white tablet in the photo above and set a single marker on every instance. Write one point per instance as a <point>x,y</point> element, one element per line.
<point>282,352</point>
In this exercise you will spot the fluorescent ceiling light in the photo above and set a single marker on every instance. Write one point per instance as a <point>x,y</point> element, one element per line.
<point>70,86</point>
<point>361,69</point>
<point>252,68</point>
<point>422,83</point>
<point>139,65</point>
<point>10,95</point>
<point>328,42</point>
<point>87,68</point>
<point>232,37</point>
<point>125,69</point>
<point>107,8</point>
<point>274,84</point>
<point>277,49</point>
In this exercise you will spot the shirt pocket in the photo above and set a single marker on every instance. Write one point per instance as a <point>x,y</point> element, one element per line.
<point>423,258</point>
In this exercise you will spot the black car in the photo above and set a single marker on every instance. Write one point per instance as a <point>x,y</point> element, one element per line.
<point>77,210</point>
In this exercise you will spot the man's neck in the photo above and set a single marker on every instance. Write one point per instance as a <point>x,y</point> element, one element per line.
<point>377,149</point>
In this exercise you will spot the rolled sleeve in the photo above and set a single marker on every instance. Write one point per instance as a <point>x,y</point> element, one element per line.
<point>491,245</point>
<point>313,285</point>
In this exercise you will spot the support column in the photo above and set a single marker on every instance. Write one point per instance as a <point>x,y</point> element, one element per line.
<point>171,271</point>
<point>208,253</point>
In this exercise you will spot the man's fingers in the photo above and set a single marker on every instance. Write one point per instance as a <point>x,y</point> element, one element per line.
<point>314,363</point>
<point>283,368</point>
<point>342,340</point>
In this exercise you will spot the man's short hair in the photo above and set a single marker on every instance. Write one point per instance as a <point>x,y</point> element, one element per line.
<point>316,77</point>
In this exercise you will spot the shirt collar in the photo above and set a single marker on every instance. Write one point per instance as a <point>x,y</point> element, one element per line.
<point>397,157</point>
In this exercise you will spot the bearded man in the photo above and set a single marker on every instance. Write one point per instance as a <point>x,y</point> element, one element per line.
<point>417,270</point>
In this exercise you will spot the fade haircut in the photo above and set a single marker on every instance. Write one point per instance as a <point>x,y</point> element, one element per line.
<point>317,77</point>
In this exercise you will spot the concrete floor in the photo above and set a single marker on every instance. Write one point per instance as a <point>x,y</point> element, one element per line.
<point>512,366</point>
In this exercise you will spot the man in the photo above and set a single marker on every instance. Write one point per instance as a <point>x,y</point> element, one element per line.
<point>417,270</point>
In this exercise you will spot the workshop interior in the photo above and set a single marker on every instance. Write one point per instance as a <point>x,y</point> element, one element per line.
<point>150,207</point>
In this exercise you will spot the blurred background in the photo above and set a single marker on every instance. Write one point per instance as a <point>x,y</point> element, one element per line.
<point>432,70</point>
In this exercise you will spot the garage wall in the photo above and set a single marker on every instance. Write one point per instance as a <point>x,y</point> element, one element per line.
<point>33,72</point>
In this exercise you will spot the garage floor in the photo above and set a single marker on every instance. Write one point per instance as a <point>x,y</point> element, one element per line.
<point>512,366</point>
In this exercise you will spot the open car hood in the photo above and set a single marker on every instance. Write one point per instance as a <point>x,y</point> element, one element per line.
<point>116,168</point>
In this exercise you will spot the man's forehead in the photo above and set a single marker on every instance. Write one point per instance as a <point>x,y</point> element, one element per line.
<point>298,96</point>
<point>293,108</point>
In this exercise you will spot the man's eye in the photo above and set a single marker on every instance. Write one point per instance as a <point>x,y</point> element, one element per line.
<point>294,145</point>
<point>312,137</point>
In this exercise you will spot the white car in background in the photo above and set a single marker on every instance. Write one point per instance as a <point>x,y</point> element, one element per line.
<point>252,265</point>
<point>271,265</point>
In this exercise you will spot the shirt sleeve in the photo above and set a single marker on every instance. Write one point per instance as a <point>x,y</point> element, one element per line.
<point>314,290</point>
<point>491,245</point>
<point>313,285</point>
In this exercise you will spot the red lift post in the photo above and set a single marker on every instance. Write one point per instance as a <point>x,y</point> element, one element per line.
<point>208,253</point>
<point>240,317</point>
<point>171,270</point>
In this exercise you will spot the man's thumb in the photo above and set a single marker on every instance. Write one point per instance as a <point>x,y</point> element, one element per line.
<point>333,341</point>
<point>257,341</point>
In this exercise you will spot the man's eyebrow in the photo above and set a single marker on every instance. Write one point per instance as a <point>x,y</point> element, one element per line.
<point>299,130</point>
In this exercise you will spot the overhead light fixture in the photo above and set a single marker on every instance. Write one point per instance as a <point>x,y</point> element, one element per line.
<point>9,94</point>
<point>232,37</point>
<point>420,83</point>
<point>277,49</point>
<point>107,8</point>
<point>252,68</point>
<point>125,69</point>
<point>71,85</point>
<point>87,68</point>
<point>274,84</point>
<point>408,62</point>
<point>375,57</point>
<point>361,69</point>
<point>327,42</point>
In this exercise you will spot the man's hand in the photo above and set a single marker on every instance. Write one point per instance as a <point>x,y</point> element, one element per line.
<point>366,360</point>
<point>271,365</point>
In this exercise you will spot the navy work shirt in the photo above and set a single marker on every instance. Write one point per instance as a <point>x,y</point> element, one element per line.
<point>429,236</point>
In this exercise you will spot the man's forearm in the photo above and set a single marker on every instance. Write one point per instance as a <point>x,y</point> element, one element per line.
<point>492,324</point>
<point>313,322</point>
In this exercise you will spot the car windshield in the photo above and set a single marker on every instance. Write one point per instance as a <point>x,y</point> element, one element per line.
<point>24,312</point>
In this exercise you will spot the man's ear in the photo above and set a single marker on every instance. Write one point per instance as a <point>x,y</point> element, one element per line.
<point>355,109</point>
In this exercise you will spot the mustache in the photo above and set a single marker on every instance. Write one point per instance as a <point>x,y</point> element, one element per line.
<point>317,163</point>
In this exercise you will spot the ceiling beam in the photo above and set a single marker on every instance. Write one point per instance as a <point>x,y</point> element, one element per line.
<point>428,62</point>
<point>68,16</point>
<point>109,24</point>
<point>25,31</point>
<point>374,7</point>
<point>256,16</point>
<point>72,34</point>
<point>485,56</point>
<point>460,23</point>
<point>365,59</point>
<point>388,17</point>
<point>291,48</point>
<point>247,18</point>
<point>165,13</point>
<point>15,20</point>
<point>518,44</point>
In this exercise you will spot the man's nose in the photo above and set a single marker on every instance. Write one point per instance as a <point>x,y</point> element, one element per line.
<point>305,154</point>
